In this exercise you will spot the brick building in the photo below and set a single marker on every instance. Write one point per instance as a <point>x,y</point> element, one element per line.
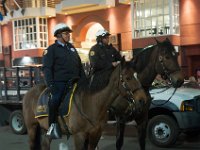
<point>26,28</point>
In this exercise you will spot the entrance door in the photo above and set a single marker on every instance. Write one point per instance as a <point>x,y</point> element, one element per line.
<point>7,56</point>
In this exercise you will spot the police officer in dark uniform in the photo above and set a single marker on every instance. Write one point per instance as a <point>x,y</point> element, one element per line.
<point>103,55</point>
<point>61,64</point>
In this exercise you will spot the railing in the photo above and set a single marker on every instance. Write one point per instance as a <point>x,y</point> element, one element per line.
<point>16,4</point>
<point>15,82</point>
<point>39,3</point>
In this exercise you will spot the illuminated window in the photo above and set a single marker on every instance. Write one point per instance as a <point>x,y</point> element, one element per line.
<point>155,17</point>
<point>30,33</point>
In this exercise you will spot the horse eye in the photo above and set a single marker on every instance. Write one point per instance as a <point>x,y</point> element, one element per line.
<point>128,78</point>
<point>167,57</point>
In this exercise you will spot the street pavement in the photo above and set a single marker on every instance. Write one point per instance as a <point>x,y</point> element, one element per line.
<point>11,141</point>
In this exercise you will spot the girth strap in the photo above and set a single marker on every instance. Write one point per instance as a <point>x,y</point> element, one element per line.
<point>65,127</point>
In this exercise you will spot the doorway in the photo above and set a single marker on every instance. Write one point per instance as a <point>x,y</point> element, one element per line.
<point>90,40</point>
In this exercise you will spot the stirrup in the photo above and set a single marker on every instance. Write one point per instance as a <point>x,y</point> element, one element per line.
<point>54,131</point>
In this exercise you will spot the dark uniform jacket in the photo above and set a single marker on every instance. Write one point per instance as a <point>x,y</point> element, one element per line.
<point>102,56</point>
<point>61,63</point>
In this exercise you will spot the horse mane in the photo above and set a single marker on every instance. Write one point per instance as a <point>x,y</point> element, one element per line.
<point>166,43</point>
<point>98,81</point>
<point>142,57</point>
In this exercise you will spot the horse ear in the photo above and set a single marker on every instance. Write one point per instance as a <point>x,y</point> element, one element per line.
<point>157,41</point>
<point>133,63</point>
<point>167,39</point>
<point>123,60</point>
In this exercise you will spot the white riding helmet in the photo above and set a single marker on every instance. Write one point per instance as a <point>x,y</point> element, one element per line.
<point>102,33</point>
<point>61,27</point>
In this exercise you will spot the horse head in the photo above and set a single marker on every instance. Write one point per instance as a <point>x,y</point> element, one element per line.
<point>167,63</point>
<point>130,87</point>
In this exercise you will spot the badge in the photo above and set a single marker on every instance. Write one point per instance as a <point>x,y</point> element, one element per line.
<point>72,49</point>
<point>45,52</point>
<point>92,53</point>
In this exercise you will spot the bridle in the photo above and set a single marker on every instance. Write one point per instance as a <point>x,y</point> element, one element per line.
<point>129,96</point>
<point>129,92</point>
<point>167,73</point>
<point>127,89</point>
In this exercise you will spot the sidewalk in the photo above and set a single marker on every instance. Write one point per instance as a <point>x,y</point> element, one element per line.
<point>130,129</point>
<point>11,141</point>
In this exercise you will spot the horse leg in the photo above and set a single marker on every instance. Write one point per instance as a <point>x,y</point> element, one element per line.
<point>120,133</point>
<point>46,143</point>
<point>142,134</point>
<point>141,127</point>
<point>79,141</point>
<point>86,143</point>
<point>34,137</point>
<point>94,138</point>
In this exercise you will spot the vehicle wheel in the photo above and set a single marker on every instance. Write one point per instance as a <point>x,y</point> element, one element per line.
<point>16,122</point>
<point>163,131</point>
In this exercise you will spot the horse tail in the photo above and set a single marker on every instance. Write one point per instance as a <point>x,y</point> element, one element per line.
<point>32,124</point>
<point>35,137</point>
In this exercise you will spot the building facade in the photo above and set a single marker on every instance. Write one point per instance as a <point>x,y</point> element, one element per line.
<point>26,27</point>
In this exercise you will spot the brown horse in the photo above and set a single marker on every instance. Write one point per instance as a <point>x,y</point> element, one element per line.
<point>148,62</point>
<point>89,108</point>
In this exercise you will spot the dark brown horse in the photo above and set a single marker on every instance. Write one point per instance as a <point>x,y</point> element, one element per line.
<point>89,108</point>
<point>148,62</point>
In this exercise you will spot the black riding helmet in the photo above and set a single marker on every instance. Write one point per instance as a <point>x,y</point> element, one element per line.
<point>61,27</point>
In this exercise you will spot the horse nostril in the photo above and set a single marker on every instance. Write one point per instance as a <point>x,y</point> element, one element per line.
<point>179,83</point>
<point>141,101</point>
<point>141,104</point>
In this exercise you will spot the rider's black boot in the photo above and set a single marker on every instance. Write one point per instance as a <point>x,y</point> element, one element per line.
<point>54,131</point>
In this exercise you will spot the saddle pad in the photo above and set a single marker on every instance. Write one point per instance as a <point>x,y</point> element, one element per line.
<point>42,108</point>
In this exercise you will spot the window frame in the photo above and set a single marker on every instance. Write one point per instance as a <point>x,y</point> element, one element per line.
<point>27,33</point>
<point>155,18</point>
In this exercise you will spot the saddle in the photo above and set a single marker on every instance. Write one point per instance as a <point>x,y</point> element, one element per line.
<point>64,109</point>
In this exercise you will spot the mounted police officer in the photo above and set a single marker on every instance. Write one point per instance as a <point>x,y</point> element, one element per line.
<point>103,55</point>
<point>61,64</point>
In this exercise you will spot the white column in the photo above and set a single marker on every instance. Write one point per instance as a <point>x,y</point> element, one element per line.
<point>0,41</point>
<point>171,16</point>
<point>132,19</point>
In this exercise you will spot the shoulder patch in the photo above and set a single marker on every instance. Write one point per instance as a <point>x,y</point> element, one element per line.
<point>72,49</point>
<point>92,53</point>
<point>45,52</point>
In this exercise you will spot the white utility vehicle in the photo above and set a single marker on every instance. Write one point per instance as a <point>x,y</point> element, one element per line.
<point>173,112</point>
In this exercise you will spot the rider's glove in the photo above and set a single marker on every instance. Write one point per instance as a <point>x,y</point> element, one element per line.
<point>51,88</point>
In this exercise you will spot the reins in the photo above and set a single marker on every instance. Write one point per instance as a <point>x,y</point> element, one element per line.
<point>163,90</point>
<point>167,74</point>
<point>83,114</point>
<point>129,98</point>
<point>129,92</point>
<point>166,100</point>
